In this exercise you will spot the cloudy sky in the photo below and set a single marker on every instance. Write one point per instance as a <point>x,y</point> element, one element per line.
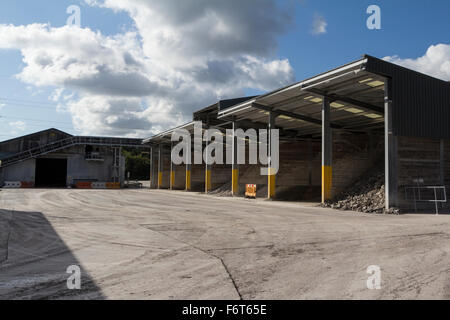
<point>136,67</point>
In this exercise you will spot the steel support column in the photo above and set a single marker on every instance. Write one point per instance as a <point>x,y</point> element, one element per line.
<point>441,162</point>
<point>151,167</point>
<point>310,161</point>
<point>208,182</point>
<point>208,169</point>
<point>160,166</point>
<point>1,175</point>
<point>153,170</point>
<point>391,148</point>
<point>327,151</point>
<point>271,183</point>
<point>172,171</point>
<point>188,160</point>
<point>235,165</point>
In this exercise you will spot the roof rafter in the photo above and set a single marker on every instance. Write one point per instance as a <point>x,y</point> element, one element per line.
<point>352,101</point>
<point>294,115</point>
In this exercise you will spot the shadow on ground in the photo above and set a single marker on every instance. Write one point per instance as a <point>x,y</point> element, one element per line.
<point>34,260</point>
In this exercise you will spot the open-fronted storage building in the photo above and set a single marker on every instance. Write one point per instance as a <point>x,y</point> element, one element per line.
<point>336,126</point>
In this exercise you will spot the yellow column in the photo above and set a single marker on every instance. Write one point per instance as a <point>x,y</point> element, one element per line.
<point>271,185</point>
<point>235,165</point>
<point>235,182</point>
<point>327,150</point>
<point>188,162</point>
<point>172,171</point>
<point>160,166</point>
<point>172,180</point>
<point>327,182</point>
<point>188,180</point>
<point>208,183</point>
<point>160,179</point>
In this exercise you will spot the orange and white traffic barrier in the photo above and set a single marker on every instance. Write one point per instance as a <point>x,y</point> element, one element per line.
<point>26,184</point>
<point>250,191</point>
<point>113,185</point>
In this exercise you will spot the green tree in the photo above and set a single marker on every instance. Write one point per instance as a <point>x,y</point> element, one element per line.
<point>137,164</point>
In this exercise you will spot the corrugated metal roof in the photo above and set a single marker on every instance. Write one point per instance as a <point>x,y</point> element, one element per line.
<point>421,103</point>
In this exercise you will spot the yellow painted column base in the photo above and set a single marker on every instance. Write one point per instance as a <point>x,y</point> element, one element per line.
<point>208,183</point>
<point>235,182</point>
<point>188,180</point>
<point>271,184</point>
<point>327,181</point>
<point>172,180</point>
<point>160,178</point>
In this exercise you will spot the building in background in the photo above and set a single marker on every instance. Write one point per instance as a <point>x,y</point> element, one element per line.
<point>53,158</point>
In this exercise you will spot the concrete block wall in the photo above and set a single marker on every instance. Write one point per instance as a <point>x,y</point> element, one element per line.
<point>300,172</point>
<point>251,174</point>
<point>220,176</point>
<point>353,156</point>
<point>180,177</point>
<point>299,175</point>
<point>166,159</point>
<point>197,174</point>
<point>198,177</point>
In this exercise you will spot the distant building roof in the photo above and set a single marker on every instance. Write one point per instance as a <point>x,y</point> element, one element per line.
<point>37,133</point>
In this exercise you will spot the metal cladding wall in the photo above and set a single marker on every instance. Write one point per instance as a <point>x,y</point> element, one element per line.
<point>421,104</point>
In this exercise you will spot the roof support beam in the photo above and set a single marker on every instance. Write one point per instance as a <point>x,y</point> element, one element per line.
<point>160,166</point>
<point>293,115</point>
<point>327,151</point>
<point>391,151</point>
<point>335,97</point>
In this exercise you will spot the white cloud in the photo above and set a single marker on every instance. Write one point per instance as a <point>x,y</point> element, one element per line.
<point>2,105</point>
<point>319,25</point>
<point>18,126</point>
<point>181,57</point>
<point>435,62</point>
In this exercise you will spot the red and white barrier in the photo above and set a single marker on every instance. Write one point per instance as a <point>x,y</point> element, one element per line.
<point>98,185</point>
<point>12,185</point>
<point>18,184</point>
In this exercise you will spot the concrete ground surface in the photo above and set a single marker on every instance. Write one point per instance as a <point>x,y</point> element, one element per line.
<point>151,244</point>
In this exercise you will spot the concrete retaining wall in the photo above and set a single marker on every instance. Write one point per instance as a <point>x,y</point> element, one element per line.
<point>353,156</point>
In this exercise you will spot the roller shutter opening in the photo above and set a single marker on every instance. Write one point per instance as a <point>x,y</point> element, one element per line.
<point>51,173</point>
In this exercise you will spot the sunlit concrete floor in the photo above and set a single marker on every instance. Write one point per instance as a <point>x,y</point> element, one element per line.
<point>151,244</point>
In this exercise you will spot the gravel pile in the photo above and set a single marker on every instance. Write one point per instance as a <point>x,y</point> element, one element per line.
<point>365,195</point>
<point>223,191</point>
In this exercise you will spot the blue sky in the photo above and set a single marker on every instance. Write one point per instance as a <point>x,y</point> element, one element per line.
<point>409,29</point>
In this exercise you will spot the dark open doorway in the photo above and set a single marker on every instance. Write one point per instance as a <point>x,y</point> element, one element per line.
<point>51,173</point>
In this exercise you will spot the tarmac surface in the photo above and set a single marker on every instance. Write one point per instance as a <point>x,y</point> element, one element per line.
<point>155,244</point>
